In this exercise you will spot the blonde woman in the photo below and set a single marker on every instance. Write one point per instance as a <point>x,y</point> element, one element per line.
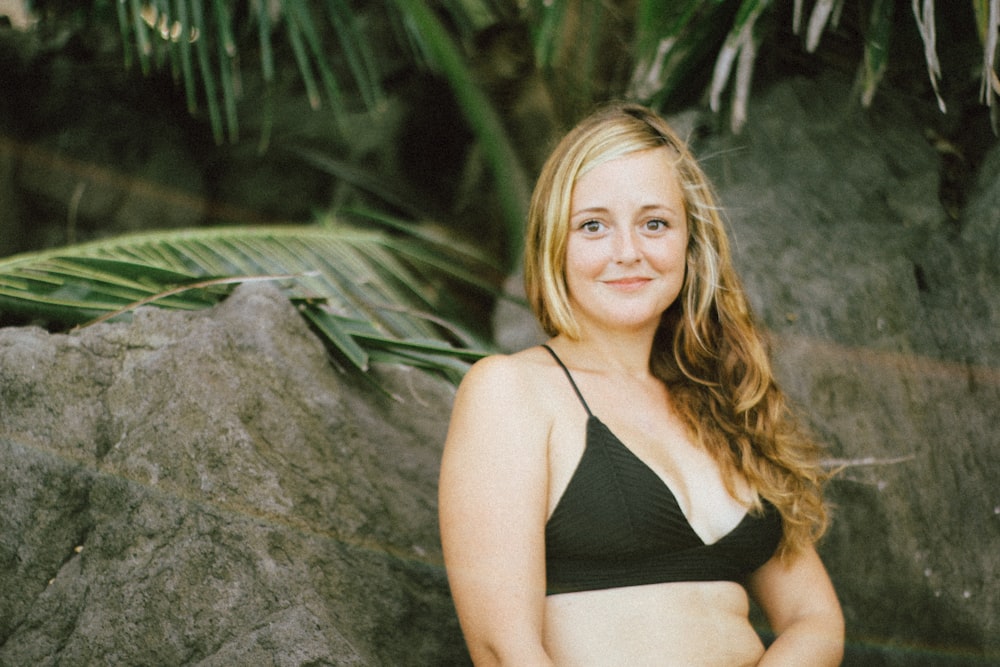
<point>618,495</point>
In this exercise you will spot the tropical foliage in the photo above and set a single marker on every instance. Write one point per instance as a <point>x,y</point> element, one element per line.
<point>371,291</point>
<point>367,293</point>
<point>660,46</point>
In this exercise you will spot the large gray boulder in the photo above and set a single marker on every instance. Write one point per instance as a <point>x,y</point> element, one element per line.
<point>884,311</point>
<point>208,489</point>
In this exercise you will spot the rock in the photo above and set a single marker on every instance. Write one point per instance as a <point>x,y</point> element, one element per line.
<point>206,488</point>
<point>884,323</point>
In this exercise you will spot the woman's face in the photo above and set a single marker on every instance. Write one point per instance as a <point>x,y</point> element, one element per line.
<point>627,246</point>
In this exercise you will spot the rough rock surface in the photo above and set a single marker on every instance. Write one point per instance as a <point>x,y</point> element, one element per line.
<point>207,489</point>
<point>884,312</point>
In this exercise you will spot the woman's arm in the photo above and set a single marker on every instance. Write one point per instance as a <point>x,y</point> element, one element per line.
<point>492,503</point>
<point>800,604</point>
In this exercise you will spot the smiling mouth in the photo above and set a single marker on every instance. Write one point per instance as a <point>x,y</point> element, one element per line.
<point>627,283</point>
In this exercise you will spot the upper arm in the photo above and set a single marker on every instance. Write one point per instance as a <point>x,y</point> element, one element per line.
<point>492,503</point>
<point>798,598</point>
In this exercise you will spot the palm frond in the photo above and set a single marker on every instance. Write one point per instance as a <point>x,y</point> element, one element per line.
<point>510,178</point>
<point>824,13</point>
<point>548,20</point>
<point>188,31</point>
<point>923,13</point>
<point>197,39</point>
<point>988,25</point>
<point>361,290</point>
<point>878,32</point>
<point>672,40</point>
<point>741,46</point>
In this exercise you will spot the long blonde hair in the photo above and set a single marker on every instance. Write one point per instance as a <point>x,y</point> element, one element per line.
<point>708,350</point>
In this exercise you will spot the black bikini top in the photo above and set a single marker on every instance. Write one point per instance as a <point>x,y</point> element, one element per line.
<point>618,524</point>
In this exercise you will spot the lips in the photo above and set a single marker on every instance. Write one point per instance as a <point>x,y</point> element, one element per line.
<point>628,284</point>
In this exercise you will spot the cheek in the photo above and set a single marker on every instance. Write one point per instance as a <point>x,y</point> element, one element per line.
<point>583,260</point>
<point>673,256</point>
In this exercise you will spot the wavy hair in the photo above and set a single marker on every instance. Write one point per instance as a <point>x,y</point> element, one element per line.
<point>708,349</point>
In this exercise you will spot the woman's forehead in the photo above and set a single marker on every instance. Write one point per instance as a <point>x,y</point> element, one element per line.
<point>653,170</point>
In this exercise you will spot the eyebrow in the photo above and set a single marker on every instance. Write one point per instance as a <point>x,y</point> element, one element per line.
<point>604,209</point>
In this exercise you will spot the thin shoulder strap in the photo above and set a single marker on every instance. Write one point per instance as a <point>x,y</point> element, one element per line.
<point>568,375</point>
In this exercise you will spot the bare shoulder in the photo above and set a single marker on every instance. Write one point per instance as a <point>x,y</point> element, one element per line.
<point>497,441</point>
<point>507,378</point>
<point>502,398</point>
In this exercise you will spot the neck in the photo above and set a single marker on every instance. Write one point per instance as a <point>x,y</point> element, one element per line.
<point>617,353</point>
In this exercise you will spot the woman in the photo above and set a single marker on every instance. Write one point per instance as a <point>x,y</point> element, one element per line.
<point>616,496</point>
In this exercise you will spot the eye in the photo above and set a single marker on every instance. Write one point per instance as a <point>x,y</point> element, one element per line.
<point>592,226</point>
<point>656,225</point>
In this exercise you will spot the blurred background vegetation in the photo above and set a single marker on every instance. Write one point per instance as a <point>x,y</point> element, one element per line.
<point>375,157</point>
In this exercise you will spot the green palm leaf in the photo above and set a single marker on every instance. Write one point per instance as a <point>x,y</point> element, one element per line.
<point>877,34</point>
<point>675,39</point>
<point>197,38</point>
<point>363,291</point>
<point>510,178</point>
<point>672,40</point>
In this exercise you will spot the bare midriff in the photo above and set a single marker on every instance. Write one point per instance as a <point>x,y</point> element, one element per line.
<point>686,624</point>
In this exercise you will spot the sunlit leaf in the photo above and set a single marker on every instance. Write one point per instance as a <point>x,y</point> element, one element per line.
<point>676,38</point>
<point>741,46</point>
<point>923,12</point>
<point>818,21</point>
<point>988,25</point>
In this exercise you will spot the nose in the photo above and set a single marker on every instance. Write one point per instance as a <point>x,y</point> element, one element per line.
<point>626,246</point>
